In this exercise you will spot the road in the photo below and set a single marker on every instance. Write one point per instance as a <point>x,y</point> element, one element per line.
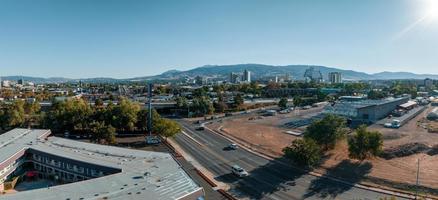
<point>268,179</point>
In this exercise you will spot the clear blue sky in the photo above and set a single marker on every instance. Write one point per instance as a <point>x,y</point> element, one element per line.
<point>128,38</point>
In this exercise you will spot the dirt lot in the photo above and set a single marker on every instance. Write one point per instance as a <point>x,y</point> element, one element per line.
<point>264,132</point>
<point>408,143</point>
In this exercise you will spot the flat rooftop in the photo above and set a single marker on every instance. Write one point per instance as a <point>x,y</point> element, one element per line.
<point>144,174</point>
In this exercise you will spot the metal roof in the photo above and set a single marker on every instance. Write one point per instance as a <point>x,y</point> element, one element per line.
<point>408,104</point>
<point>144,174</point>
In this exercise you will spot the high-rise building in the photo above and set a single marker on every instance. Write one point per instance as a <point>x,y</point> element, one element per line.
<point>234,78</point>
<point>246,76</point>
<point>200,80</point>
<point>335,77</point>
<point>20,81</point>
<point>428,83</point>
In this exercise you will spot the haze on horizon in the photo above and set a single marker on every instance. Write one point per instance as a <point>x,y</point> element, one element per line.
<point>121,39</point>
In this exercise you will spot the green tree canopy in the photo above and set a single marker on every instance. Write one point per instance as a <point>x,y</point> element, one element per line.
<point>327,131</point>
<point>12,114</point>
<point>304,152</point>
<point>238,100</point>
<point>70,115</point>
<point>282,103</point>
<point>124,115</point>
<point>297,101</point>
<point>166,127</point>
<point>364,144</point>
<point>201,106</point>
<point>100,131</point>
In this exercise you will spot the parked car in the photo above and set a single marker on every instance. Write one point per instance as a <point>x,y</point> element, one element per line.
<point>307,107</point>
<point>394,124</point>
<point>200,128</point>
<point>238,171</point>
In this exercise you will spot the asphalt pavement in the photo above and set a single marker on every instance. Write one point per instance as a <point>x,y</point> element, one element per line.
<point>268,179</point>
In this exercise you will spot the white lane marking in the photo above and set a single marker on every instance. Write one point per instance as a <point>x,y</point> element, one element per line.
<point>196,141</point>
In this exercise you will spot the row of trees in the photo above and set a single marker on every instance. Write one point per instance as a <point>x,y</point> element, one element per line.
<point>19,114</point>
<point>76,116</point>
<point>324,134</point>
<point>202,105</point>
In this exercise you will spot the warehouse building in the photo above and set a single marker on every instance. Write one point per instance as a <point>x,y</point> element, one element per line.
<point>365,111</point>
<point>80,170</point>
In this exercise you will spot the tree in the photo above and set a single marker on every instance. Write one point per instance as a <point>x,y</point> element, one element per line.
<point>12,115</point>
<point>32,113</point>
<point>220,106</point>
<point>374,94</point>
<point>98,102</point>
<point>297,101</point>
<point>327,131</point>
<point>201,106</point>
<point>101,131</point>
<point>124,115</point>
<point>282,103</point>
<point>304,152</point>
<point>142,119</point>
<point>181,102</point>
<point>166,127</point>
<point>238,101</point>
<point>365,144</point>
<point>71,115</point>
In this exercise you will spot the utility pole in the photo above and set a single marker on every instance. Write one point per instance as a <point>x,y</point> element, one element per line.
<point>418,173</point>
<point>150,109</point>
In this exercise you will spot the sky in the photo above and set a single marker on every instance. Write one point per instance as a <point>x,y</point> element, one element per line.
<point>132,38</point>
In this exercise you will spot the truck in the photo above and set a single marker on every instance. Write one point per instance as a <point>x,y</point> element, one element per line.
<point>394,124</point>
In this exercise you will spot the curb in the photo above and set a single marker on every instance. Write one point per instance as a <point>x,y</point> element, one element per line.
<point>203,176</point>
<point>210,182</point>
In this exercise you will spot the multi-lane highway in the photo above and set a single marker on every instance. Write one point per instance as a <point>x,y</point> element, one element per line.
<point>268,179</point>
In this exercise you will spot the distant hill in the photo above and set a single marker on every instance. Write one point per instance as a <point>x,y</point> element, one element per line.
<point>257,71</point>
<point>37,79</point>
<point>403,75</point>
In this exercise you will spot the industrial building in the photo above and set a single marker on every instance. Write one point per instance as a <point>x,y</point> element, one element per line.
<point>82,170</point>
<point>365,111</point>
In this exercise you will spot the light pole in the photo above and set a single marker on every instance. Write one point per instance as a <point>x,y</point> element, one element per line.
<point>418,173</point>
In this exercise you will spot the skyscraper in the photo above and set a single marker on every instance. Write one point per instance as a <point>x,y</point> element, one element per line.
<point>246,76</point>
<point>234,78</point>
<point>335,77</point>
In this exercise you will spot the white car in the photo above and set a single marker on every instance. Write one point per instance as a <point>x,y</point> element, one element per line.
<point>238,171</point>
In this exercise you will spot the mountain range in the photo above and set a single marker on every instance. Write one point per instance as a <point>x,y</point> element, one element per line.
<point>257,71</point>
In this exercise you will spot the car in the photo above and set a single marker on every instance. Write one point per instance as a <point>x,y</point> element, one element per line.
<point>233,146</point>
<point>200,128</point>
<point>238,171</point>
<point>307,107</point>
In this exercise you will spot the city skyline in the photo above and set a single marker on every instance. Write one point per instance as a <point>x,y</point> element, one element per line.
<point>84,39</point>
